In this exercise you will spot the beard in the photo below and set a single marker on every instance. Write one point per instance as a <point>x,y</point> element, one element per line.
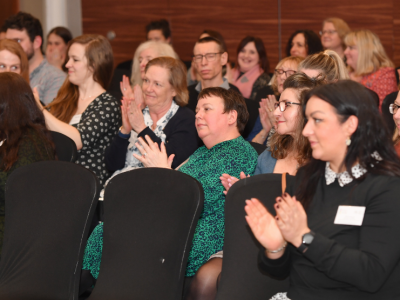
<point>30,52</point>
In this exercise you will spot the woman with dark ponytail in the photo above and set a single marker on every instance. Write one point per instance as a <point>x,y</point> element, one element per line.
<point>336,228</point>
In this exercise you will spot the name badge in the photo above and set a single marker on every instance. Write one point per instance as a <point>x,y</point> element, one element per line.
<point>350,215</point>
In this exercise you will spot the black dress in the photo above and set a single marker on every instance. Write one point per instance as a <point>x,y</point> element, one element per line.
<point>343,261</point>
<point>99,124</point>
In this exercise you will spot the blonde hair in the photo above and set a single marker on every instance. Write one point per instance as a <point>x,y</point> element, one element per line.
<point>328,63</point>
<point>371,54</point>
<point>341,27</point>
<point>292,59</point>
<point>162,49</point>
<point>177,76</point>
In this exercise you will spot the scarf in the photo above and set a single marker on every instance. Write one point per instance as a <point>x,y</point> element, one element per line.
<point>245,82</point>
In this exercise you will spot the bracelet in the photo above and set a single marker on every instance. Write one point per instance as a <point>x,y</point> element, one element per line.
<point>122,135</point>
<point>277,250</point>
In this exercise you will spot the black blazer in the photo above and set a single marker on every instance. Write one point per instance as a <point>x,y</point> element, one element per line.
<point>181,140</point>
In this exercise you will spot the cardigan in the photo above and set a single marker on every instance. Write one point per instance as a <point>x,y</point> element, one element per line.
<point>343,261</point>
<point>181,140</point>
<point>265,163</point>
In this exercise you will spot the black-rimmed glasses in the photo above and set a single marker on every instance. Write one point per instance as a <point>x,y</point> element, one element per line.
<point>209,57</point>
<point>284,104</point>
<point>393,108</point>
<point>287,73</point>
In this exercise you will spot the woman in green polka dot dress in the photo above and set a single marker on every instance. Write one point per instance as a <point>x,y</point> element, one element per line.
<point>220,116</point>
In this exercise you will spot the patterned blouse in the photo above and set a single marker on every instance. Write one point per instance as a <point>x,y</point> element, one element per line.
<point>383,82</point>
<point>98,126</point>
<point>205,165</point>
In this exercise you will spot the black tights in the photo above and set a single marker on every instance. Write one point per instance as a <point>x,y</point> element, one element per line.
<point>205,282</point>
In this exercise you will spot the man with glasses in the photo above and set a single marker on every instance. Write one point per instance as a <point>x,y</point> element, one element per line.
<point>210,56</point>
<point>27,31</point>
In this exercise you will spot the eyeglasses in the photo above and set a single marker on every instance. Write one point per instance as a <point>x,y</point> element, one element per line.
<point>287,73</point>
<point>329,32</point>
<point>393,108</point>
<point>209,57</point>
<point>284,104</point>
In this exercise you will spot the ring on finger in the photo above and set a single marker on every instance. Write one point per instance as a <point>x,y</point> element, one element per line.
<point>144,154</point>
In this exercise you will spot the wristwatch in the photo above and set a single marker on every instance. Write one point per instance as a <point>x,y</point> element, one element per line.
<point>306,241</point>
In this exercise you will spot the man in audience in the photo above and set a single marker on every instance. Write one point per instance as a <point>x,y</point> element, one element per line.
<point>209,56</point>
<point>159,31</point>
<point>27,30</point>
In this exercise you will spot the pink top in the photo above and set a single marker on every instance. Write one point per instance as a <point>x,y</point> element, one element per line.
<point>382,82</point>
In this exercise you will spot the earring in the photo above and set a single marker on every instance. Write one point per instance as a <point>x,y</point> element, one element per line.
<point>348,141</point>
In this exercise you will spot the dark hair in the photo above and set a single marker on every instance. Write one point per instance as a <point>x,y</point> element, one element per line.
<point>262,53</point>
<point>62,32</point>
<point>162,25</point>
<point>26,21</point>
<point>100,59</point>
<point>209,39</point>
<point>232,101</point>
<point>371,145</point>
<point>282,145</point>
<point>19,116</point>
<point>216,35</point>
<point>3,28</point>
<point>313,42</point>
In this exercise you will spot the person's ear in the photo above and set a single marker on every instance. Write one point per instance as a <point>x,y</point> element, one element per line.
<point>173,92</point>
<point>351,125</point>
<point>224,58</point>
<point>37,42</point>
<point>232,117</point>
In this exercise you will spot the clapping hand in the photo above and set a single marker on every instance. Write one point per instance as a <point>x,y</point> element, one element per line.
<point>152,156</point>
<point>135,116</point>
<point>291,219</point>
<point>264,226</point>
<point>126,126</point>
<point>228,180</point>
<point>126,88</point>
<point>267,107</point>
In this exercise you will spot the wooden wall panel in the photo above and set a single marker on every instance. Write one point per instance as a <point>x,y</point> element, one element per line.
<point>396,32</point>
<point>7,9</point>
<point>359,14</point>
<point>236,19</point>
<point>126,18</point>
<point>233,19</point>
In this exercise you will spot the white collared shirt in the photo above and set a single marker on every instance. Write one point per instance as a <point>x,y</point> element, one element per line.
<point>344,177</point>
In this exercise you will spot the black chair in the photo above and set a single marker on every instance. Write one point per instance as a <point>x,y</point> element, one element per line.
<point>150,215</point>
<point>241,277</point>
<point>49,206</point>
<point>258,147</point>
<point>65,147</point>
<point>252,108</point>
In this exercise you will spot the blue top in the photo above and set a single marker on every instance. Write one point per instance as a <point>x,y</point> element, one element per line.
<point>265,163</point>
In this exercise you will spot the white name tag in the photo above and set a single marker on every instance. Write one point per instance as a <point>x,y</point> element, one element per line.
<point>350,215</point>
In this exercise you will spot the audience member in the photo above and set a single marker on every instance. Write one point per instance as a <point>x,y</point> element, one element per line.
<point>13,58</point>
<point>251,72</point>
<point>83,110</point>
<point>165,119</point>
<point>333,33</point>
<point>331,224</point>
<point>288,150</point>
<point>159,31</point>
<point>327,63</point>
<point>23,133</point>
<point>369,64</point>
<point>394,109</point>
<point>57,44</point>
<point>192,74</point>
<point>302,43</point>
<point>268,96</point>
<point>209,58</point>
<point>27,30</point>
<point>220,116</point>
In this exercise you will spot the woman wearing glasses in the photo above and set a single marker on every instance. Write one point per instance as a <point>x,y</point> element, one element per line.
<point>268,95</point>
<point>332,35</point>
<point>251,72</point>
<point>394,109</point>
<point>369,64</point>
